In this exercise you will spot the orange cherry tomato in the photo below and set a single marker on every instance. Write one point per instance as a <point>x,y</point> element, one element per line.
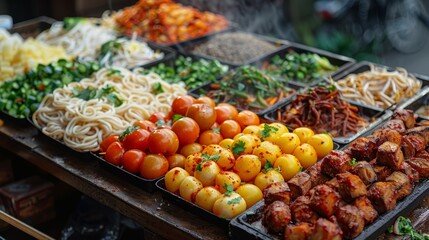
<point>210,137</point>
<point>163,141</point>
<point>155,117</point>
<point>114,153</point>
<point>176,160</point>
<point>181,104</point>
<point>246,118</point>
<point>132,160</point>
<point>107,141</point>
<point>203,114</point>
<point>225,111</point>
<point>186,129</point>
<point>230,128</point>
<point>206,100</point>
<point>154,166</point>
<point>137,139</point>
<point>191,149</point>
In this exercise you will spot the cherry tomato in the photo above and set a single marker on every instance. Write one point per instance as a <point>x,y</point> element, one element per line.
<point>181,104</point>
<point>154,166</point>
<point>230,128</point>
<point>186,129</point>
<point>155,117</point>
<point>132,160</point>
<point>137,139</point>
<point>206,100</point>
<point>107,141</point>
<point>224,112</point>
<point>247,167</point>
<point>192,161</point>
<point>163,141</point>
<point>210,137</point>
<point>225,160</point>
<point>227,178</point>
<point>146,125</point>
<point>203,114</point>
<point>226,143</point>
<point>114,153</point>
<point>251,194</point>
<point>246,118</point>
<point>206,172</point>
<point>176,160</point>
<point>191,149</point>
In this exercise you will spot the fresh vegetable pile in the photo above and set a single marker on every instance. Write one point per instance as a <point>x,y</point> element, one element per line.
<point>214,156</point>
<point>249,88</point>
<point>304,67</point>
<point>193,73</point>
<point>22,96</point>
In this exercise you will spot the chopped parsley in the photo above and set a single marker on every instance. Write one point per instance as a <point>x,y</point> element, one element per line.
<point>266,132</point>
<point>353,162</point>
<point>269,166</point>
<point>157,88</point>
<point>229,189</point>
<point>114,72</point>
<point>109,92</point>
<point>214,157</point>
<point>216,130</point>
<point>234,201</point>
<point>176,117</point>
<point>238,147</point>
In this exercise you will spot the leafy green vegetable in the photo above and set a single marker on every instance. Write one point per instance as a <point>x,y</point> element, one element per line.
<point>157,88</point>
<point>89,93</point>
<point>403,227</point>
<point>21,96</point>
<point>352,162</point>
<point>229,189</point>
<point>108,50</point>
<point>266,132</point>
<point>238,147</point>
<point>234,200</point>
<point>71,22</point>
<point>269,166</point>
<point>176,117</point>
<point>193,73</point>
<point>127,131</point>
<point>304,67</point>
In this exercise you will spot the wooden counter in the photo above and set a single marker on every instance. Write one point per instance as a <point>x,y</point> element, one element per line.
<point>84,174</point>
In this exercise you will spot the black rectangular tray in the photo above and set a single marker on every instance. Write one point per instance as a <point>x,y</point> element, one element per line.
<point>32,27</point>
<point>378,115</point>
<point>342,62</point>
<point>186,47</point>
<point>147,185</point>
<point>191,207</point>
<point>200,91</point>
<point>366,66</point>
<point>241,227</point>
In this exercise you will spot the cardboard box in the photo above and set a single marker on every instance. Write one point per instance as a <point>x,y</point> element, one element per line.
<point>30,200</point>
<point>6,172</point>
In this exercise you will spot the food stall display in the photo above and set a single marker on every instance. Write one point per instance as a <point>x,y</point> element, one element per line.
<point>240,129</point>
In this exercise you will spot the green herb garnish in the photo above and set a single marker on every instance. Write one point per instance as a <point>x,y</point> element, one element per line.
<point>238,147</point>
<point>89,93</point>
<point>234,201</point>
<point>157,88</point>
<point>266,132</point>
<point>229,189</point>
<point>404,227</point>
<point>352,162</point>
<point>176,117</point>
<point>127,131</point>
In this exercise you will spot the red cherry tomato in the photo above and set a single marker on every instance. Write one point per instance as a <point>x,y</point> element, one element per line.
<point>230,128</point>
<point>154,166</point>
<point>181,104</point>
<point>146,125</point>
<point>203,114</point>
<point>155,117</point>
<point>107,141</point>
<point>132,160</point>
<point>186,129</point>
<point>225,111</point>
<point>246,118</point>
<point>138,139</point>
<point>163,141</point>
<point>114,153</point>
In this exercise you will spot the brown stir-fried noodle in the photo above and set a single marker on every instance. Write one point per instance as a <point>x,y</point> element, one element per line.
<point>379,87</point>
<point>323,111</point>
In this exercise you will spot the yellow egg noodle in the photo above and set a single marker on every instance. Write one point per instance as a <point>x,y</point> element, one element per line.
<point>83,124</point>
<point>379,87</point>
<point>131,53</point>
<point>83,40</point>
<point>17,55</point>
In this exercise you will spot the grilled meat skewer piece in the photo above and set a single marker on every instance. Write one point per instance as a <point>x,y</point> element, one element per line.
<point>367,209</point>
<point>278,191</point>
<point>365,172</point>
<point>276,217</point>
<point>411,173</point>
<point>407,117</point>
<point>397,125</point>
<point>300,231</point>
<point>381,136</point>
<point>300,184</point>
<point>390,154</point>
<point>336,162</point>
<point>382,196</point>
<point>350,220</point>
<point>324,200</point>
<point>363,149</point>
<point>350,186</point>
<point>402,183</point>
<point>326,230</point>
<point>421,165</point>
<point>316,175</point>
<point>301,210</point>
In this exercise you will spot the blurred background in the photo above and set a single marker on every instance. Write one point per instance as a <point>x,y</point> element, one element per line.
<point>392,32</point>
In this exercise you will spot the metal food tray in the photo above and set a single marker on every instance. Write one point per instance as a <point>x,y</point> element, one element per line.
<point>378,115</point>
<point>242,228</point>
<point>365,66</point>
<point>342,62</point>
<point>32,27</point>
<point>200,91</point>
<point>186,47</point>
<point>147,185</point>
<point>191,207</point>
